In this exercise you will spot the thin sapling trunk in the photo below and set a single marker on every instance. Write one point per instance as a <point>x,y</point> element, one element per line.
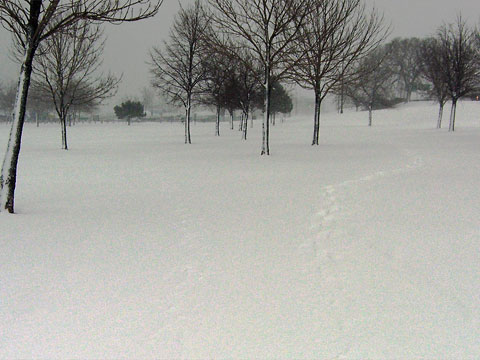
<point>440,116</point>
<point>217,122</point>
<point>188,139</point>
<point>266,117</point>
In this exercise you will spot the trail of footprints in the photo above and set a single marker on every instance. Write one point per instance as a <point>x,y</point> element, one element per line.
<point>328,242</point>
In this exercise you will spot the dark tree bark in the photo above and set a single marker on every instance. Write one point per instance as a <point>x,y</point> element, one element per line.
<point>316,122</point>
<point>217,121</point>
<point>245,125</point>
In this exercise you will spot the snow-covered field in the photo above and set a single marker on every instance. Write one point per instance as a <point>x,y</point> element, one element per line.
<point>134,245</point>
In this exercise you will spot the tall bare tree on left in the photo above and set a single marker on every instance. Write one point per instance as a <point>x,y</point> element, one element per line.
<point>32,22</point>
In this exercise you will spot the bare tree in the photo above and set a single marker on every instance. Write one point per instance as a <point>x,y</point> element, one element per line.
<point>336,35</point>
<point>373,83</point>
<point>177,67</point>
<point>432,69</point>
<point>68,71</point>
<point>32,22</point>
<point>249,89</point>
<point>403,59</point>
<point>461,62</point>
<point>219,77</point>
<point>270,30</point>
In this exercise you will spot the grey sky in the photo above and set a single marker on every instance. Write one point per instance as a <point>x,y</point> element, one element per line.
<point>127,47</point>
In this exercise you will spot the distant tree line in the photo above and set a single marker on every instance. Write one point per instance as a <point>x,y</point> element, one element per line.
<point>444,67</point>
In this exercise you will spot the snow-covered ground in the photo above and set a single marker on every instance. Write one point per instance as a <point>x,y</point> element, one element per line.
<point>134,245</point>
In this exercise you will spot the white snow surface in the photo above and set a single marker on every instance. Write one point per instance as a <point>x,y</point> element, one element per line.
<point>135,245</point>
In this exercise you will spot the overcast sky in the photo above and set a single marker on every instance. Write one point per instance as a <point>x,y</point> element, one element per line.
<point>127,47</point>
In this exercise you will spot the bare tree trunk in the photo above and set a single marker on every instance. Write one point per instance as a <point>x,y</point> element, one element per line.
<point>188,139</point>
<point>217,122</point>
<point>63,122</point>
<point>240,125</point>
<point>342,98</point>
<point>316,120</point>
<point>453,114</point>
<point>440,116</point>
<point>266,116</point>
<point>36,119</point>
<point>245,125</point>
<point>231,120</point>
<point>8,177</point>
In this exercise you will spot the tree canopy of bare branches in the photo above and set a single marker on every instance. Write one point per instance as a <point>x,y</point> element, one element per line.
<point>403,59</point>
<point>177,67</point>
<point>67,69</point>
<point>336,35</point>
<point>30,23</point>
<point>373,83</point>
<point>219,79</point>
<point>249,89</point>
<point>270,30</point>
<point>461,62</point>
<point>432,69</point>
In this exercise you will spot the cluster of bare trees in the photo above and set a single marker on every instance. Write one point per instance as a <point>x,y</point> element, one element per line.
<point>33,24</point>
<point>229,53</point>
<point>372,82</point>
<point>444,67</point>
<point>450,62</point>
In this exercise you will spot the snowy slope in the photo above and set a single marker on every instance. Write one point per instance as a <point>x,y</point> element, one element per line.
<point>133,244</point>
